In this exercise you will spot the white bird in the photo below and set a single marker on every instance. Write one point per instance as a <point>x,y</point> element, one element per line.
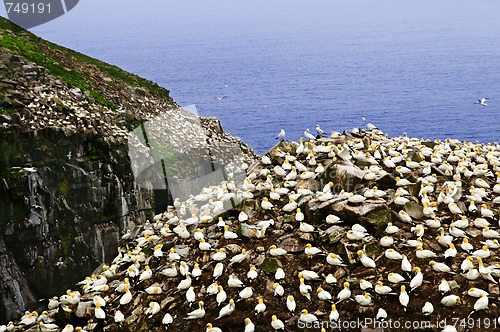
<point>365,260</point>
<point>393,254</point>
<point>218,270</point>
<point>363,299</point>
<point>404,299</point>
<point>344,294</point>
<point>481,101</point>
<point>227,310</point>
<point>290,303</point>
<point>99,312</point>
<point>365,284</point>
<point>249,326</point>
<point>190,295</point>
<point>281,135</point>
<point>334,314</point>
<point>278,289</point>
<point>221,295</point>
<point>323,294</point>
<point>277,251</point>
<point>234,282</point>
<point>444,286</point>
<point>391,229</point>
<point>154,308</point>
<point>167,319</point>
<point>277,324</point>
<point>308,135</point>
<point>395,278</point>
<point>198,313</point>
<point>440,267</point>
<point>319,130</point>
<point>450,300</point>
<point>246,293</point>
<point>382,289</point>
<point>184,283</point>
<point>305,289</point>
<point>306,228</point>
<point>211,328</point>
<point>427,309</point>
<point>279,274</point>
<point>261,306</point>
<point>306,317</point>
<point>417,280</point>
<point>311,251</point>
<point>449,328</point>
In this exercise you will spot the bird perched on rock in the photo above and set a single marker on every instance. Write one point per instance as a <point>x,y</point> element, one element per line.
<point>281,135</point>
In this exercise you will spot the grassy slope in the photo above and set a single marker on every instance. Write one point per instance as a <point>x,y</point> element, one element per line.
<point>69,66</point>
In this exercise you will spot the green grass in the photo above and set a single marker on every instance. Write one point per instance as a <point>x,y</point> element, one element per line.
<point>58,60</point>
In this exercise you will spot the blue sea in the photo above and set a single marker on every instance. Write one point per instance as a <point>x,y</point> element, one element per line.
<point>406,66</point>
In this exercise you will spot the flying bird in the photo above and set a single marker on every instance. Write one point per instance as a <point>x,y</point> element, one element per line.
<point>482,101</point>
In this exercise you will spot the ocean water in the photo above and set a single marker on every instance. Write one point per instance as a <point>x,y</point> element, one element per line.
<point>406,66</point>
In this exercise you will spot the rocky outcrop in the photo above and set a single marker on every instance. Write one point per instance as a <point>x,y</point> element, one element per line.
<point>67,187</point>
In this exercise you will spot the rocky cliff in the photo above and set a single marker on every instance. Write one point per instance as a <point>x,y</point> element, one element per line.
<point>67,189</point>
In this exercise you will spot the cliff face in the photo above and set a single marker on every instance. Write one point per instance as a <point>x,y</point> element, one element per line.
<point>67,190</point>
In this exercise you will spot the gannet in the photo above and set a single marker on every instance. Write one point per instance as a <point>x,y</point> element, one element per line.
<point>404,299</point>
<point>364,284</point>
<point>386,241</point>
<point>450,252</point>
<point>290,303</point>
<point>118,319</point>
<point>278,289</point>
<point>273,251</point>
<point>450,300</point>
<point>444,286</point>
<point>365,260</point>
<point>395,278</point>
<point>154,308</point>
<point>239,257</point>
<point>227,310</point>
<point>363,299</point>
<point>334,314</point>
<point>344,294</point>
<point>391,229</point>
<point>319,131</point>
<point>210,328</point>
<point>476,292</point>
<point>308,135</point>
<point>249,326</point>
<point>424,253</point>
<point>219,255</point>
<point>234,282</point>
<point>198,313</point>
<point>427,309</point>
<point>221,295</point>
<point>309,250</point>
<point>277,324</point>
<point>334,259</point>
<point>481,101</point>
<point>305,289</point>
<point>261,306</point>
<point>185,283</point>
<point>279,274</point>
<point>382,289</point>
<point>393,254</point>
<point>167,319</point>
<point>99,312</point>
<point>306,317</point>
